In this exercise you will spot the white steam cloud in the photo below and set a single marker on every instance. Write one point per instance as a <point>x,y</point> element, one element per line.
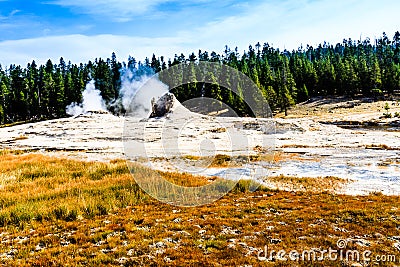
<point>138,88</point>
<point>91,101</point>
<point>137,92</point>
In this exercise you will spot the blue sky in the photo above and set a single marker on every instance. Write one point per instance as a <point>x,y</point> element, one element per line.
<point>81,30</point>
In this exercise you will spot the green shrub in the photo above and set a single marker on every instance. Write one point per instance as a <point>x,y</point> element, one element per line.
<point>386,114</point>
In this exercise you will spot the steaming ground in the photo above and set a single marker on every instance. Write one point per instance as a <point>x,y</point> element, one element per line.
<point>303,146</point>
<point>92,101</point>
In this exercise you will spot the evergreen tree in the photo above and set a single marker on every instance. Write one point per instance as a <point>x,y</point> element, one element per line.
<point>116,75</point>
<point>375,81</point>
<point>58,95</point>
<point>302,94</point>
<point>355,68</point>
<point>284,98</point>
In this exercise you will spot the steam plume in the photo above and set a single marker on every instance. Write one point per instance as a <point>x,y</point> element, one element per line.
<point>91,101</point>
<point>138,88</point>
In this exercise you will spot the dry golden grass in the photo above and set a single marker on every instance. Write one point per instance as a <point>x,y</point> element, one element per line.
<point>225,161</point>
<point>21,137</point>
<point>334,108</point>
<point>316,185</point>
<point>380,147</point>
<point>58,212</point>
<point>187,180</point>
<point>33,183</point>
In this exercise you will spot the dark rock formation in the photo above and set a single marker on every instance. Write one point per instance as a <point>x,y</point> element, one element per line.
<point>162,106</point>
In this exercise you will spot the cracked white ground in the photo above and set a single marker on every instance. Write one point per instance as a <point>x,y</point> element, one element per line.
<point>369,158</point>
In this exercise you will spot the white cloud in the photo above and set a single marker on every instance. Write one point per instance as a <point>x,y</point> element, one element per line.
<point>15,11</point>
<point>9,16</point>
<point>288,24</point>
<point>283,24</point>
<point>118,10</point>
<point>81,48</point>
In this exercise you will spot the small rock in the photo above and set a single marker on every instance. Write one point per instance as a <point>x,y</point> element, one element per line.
<point>7,241</point>
<point>12,252</point>
<point>362,242</point>
<point>202,232</point>
<point>21,239</point>
<point>105,250</point>
<point>231,246</point>
<point>94,230</point>
<point>64,243</point>
<point>159,244</point>
<point>226,230</point>
<point>144,228</point>
<point>379,235</point>
<point>100,243</point>
<point>169,240</point>
<point>160,251</point>
<point>340,229</point>
<point>9,255</point>
<point>394,238</point>
<point>122,260</point>
<point>130,252</point>
<point>40,246</point>
<point>177,220</point>
<point>4,234</point>
<point>275,241</point>
<point>184,233</point>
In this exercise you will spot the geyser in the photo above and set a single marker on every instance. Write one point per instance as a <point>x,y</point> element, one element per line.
<point>91,102</point>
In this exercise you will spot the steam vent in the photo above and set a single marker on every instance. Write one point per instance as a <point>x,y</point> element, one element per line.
<point>162,106</point>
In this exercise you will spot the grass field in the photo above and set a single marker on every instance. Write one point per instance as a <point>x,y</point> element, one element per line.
<point>61,212</point>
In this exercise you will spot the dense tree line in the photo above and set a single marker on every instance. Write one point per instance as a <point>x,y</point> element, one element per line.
<point>352,68</point>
